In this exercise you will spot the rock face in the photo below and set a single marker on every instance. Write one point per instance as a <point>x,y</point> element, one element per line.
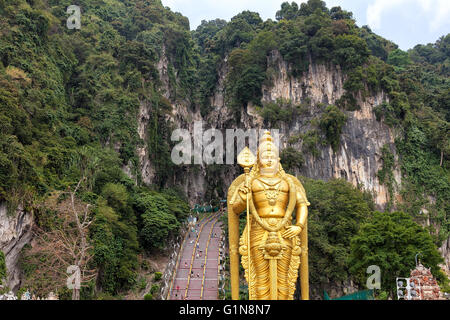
<point>445,252</point>
<point>357,160</point>
<point>334,290</point>
<point>147,171</point>
<point>15,232</point>
<point>321,84</point>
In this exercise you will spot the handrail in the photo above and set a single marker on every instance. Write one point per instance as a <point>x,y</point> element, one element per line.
<point>169,292</point>
<point>218,265</point>
<point>180,253</point>
<point>218,272</point>
<point>206,255</point>
<point>193,256</point>
<point>221,267</point>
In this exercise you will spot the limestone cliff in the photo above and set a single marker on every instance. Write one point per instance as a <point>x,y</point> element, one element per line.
<point>15,232</point>
<point>357,159</point>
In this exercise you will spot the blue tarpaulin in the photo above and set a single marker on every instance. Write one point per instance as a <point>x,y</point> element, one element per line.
<point>360,295</point>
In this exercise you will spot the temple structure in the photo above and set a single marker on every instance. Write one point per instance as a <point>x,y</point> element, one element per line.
<point>427,285</point>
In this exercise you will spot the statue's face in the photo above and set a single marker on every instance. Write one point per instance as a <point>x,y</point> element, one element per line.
<point>268,162</point>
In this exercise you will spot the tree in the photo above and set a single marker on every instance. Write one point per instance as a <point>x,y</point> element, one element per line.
<point>377,45</point>
<point>116,195</point>
<point>291,159</point>
<point>440,137</point>
<point>288,11</point>
<point>62,240</point>
<point>312,6</point>
<point>282,110</point>
<point>206,32</point>
<point>351,51</point>
<point>331,122</point>
<point>433,53</point>
<point>337,209</point>
<point>252,18</point>
<point>391,241</point>
<point>244,81</point>
<point>399,58</point>
<point>158,220</point>
<point>293,46</point>
<point>337,13</point>
<point>115,249</point>
<point>241,29</point>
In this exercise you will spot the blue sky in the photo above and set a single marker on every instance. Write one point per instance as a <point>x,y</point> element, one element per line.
<point>405,22</point>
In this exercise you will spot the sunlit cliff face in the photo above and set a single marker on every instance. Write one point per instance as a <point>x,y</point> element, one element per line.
<point>268,161</point>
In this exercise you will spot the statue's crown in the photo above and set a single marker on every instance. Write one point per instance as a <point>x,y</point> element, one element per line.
<point>266,137</point>
<point>267,143</point>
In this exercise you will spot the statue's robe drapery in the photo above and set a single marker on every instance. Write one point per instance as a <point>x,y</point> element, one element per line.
<point>293,254</point>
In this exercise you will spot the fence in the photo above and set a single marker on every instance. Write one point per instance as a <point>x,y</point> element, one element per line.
<point>171,267</point>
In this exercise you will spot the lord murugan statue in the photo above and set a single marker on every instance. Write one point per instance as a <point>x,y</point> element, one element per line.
<point>272,248</point>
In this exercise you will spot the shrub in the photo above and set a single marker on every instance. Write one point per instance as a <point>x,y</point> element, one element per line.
<point>148,296</point>
<point>154,289</point>
<point>158,276</point>
<point>142,283</point>
<point>2,266</point>
<point>311,141</point>
<point>116,195</point>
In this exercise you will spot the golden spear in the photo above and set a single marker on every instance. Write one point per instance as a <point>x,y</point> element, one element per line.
<point>246,159</point>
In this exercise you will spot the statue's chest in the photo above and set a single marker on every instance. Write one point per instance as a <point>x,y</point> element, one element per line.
<point>270,190</point>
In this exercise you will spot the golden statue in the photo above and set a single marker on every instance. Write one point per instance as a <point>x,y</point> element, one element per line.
<point>278,249</point>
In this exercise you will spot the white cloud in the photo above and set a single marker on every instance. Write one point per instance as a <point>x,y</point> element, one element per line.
<point>375,10</point>
<point>442,15</point>
<point>436,11</point>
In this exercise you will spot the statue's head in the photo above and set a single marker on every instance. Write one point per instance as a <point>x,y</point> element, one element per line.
<point>267,156</point>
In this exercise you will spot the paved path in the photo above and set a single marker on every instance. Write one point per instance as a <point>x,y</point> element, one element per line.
<point>197,274</point>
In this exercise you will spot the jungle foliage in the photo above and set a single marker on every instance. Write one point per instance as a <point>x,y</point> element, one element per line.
<point>337,210</point>
<point>391,240</point>
<point>2,267</point>
<point>69,100</point>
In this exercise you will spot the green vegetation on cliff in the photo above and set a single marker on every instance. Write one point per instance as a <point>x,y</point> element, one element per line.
<point>69,102</point>
<point>2,267</point>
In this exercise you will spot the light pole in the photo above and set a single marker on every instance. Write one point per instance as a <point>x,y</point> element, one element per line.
<point>419,253</point>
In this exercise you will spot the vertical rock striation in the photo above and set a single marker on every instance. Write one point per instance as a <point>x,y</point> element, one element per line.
<point>357,160</point>
<point>15,232</point>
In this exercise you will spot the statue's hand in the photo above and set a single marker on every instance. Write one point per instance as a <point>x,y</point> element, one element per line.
<point>291,231</point>
<point>243,192</point>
